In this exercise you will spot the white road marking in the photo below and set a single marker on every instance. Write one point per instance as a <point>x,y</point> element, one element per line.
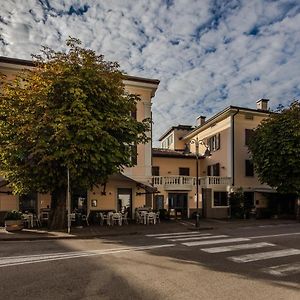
<point>220,241</point>
<point>236,247</point>
<point>273,235</point>
<point>283,270</point>
<point>180,236</point>
<point>30,259</point>
<point>264,255</point>
<point>199,238</point>
<point>172,233</point>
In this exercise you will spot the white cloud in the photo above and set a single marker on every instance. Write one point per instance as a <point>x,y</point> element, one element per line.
<point>207,54</point>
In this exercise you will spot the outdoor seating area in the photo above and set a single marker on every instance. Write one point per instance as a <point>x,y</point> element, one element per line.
<point>112,217</point>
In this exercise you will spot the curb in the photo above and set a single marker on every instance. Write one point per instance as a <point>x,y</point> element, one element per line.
<point>75,237</point>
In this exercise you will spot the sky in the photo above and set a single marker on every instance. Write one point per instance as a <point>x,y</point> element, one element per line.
<point>207,54</point>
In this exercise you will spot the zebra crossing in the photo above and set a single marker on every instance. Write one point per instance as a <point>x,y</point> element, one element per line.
<point>221,243</point>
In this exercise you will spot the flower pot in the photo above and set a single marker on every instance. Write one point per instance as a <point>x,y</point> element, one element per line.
<point>14,225</point>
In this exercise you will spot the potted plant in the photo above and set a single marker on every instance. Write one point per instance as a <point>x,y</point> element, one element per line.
<point>13,221</point>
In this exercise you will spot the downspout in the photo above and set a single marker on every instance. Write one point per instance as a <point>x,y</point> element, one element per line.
<point>232,148</point>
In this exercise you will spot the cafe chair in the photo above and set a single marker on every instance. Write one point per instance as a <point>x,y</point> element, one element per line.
<point>125,218</point>
<point>151,218</point>
<point>157,217</point>
<point>117,219</point>
<point>85,218</point>
<point>103,218</point>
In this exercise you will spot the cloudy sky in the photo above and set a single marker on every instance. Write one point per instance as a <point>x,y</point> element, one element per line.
<point>207,54</point>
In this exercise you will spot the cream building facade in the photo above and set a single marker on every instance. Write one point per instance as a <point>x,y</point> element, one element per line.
<point>228,169</point>
<point>131,188</point>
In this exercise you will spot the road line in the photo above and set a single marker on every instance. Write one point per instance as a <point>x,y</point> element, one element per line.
<point>236,247</point>
<point>273,235</point>
<point>199,238</point>
<point>283,270</point>
<point>264,255</point>
<point>221,241</point>
<point>30,259</point>
<point>172,233</point>
<point>180,236</point>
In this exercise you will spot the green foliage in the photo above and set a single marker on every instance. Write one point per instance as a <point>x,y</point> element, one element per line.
<point>275,150</point>
<point>237,203</point>
<point>14,215</point>
<point>70,111</point>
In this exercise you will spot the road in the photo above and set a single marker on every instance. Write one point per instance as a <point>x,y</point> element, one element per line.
<point>259,262</point>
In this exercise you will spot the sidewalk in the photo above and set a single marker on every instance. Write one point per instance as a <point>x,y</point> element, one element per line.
<point>132,229</point>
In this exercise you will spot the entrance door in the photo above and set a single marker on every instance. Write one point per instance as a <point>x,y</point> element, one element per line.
<point>124,203</point>
<point>178,202</point>
<point>79,201</point>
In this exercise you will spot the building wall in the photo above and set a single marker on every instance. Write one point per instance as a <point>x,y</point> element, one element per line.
<point>8,202</point>
<point>141,172</point>
<point>169,166</point>
<point>241,151</point>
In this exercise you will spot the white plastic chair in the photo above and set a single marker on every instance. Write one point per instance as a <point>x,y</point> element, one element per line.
<point>151,218</point>
<point>85,218</point>
<point>117,218</point>
<point>125,218</point>
<point>157,217</point>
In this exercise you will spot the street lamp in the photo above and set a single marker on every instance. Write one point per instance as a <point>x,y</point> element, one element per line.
<point>207,153</point>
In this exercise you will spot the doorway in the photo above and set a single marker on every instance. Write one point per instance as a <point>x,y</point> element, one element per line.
<point>124,201</point>
<point>79,201</point>
<point>178,202</point>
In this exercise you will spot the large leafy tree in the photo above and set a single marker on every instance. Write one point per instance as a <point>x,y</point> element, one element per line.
<point>275,149</point>
<point>70,111</point>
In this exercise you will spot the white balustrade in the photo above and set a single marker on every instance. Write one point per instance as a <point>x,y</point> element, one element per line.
<point>190,181</point>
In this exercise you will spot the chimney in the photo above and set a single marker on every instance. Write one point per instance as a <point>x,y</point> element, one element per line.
<point>262,104</point>
<point>200,120</point>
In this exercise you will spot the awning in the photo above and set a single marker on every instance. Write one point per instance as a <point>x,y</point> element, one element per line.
<point>265,190</point>
<point>144,185</point>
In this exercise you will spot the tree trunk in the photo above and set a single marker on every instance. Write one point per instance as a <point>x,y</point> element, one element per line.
<point>58,216</point>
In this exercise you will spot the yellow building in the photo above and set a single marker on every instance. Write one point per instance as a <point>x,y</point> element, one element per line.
<point>229,167</point>
<point>131,189</point>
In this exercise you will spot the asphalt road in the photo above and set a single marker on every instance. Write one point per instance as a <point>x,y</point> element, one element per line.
<point>259,262</point>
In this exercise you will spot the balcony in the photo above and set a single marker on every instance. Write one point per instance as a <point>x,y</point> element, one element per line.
<point>187,183</point>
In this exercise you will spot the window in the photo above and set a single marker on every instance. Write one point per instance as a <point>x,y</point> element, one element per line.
<point>134,114</point>
<point>167,142</point>
<point>220,199</point>
<point>248,136</point>
<point>184,171</point>
<point>249,168</point>
<point>214,142</point>
<point>155,171</point>
<point>133,149</point>
<point>213,170</point>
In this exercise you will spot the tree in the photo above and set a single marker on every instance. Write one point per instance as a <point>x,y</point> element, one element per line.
<point>275,150</point>
<point>70,111</point>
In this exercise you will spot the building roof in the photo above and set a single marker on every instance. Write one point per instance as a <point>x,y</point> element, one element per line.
<point>178,127</point>
<point>159,152</point>
<point>30,63</point>
<point>222,114</point>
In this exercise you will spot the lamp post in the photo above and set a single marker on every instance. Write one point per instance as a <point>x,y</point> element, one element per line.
<point>207,153</point>
<point>68,201</point>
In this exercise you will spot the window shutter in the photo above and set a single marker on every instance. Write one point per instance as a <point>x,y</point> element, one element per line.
<point>249,168</point>
<point>216,169</point>
<point>208,171</point>
<point>218,141</point>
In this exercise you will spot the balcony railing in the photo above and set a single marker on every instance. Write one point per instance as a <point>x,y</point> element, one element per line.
<point>188,182</point>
